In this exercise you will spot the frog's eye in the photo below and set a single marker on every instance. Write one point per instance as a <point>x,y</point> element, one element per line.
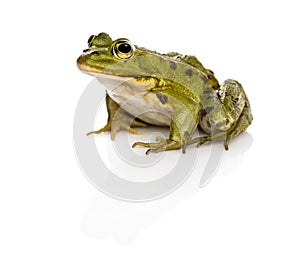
<point>123,49</point>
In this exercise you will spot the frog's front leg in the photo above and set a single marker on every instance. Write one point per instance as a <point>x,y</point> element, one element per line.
<point>184,121</point>
<point>236,109</point>
<point>118,119</point>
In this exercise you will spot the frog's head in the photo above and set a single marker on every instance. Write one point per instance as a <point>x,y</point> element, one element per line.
<point>116,58</point>
<point>119,62</point>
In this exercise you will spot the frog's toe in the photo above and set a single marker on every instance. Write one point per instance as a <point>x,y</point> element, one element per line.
<point>133,131</point>
<point>229,137</point>
<point>209,138</point>
<point>101,130</point>
<point>226,143</point>
<point>226,146</point>
<point>153,147</point>
<point>158,149</point>
<point>160,140</point>
<point>117,127</point>
<point>142,144</point>
<point>203,140</point>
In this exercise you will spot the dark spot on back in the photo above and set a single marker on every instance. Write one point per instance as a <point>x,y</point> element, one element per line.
<point>204,79</point>
<point>173,65</point>
<point>189,72</point>
<point>202,114</point>
<point>208,109</point>
<point>237,109</point>
<point>246,116</point>
<point>234,100</point>
<point>162,98</point>
<point>207,91</point>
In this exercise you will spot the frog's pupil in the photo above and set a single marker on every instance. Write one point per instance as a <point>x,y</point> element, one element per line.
<point>124,48</point>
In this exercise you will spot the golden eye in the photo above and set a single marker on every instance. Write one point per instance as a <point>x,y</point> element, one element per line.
<point>123,49</point>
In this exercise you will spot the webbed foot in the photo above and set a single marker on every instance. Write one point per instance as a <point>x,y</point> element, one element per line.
<point>114,130</point>
<point>161,145</point>
<point>118,119</point>
<point>205,139</point>
<point>122,123</point>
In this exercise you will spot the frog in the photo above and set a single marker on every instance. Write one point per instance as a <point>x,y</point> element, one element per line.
<point>147,88</point>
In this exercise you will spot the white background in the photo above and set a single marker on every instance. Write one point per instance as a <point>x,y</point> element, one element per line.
<point>47,205</point>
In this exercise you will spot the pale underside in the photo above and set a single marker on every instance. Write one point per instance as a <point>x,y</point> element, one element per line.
<point>137,99</point>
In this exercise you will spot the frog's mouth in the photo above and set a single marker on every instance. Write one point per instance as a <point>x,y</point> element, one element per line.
<point>95,72</point>
<point>86,69</point>
<point>115,82</point>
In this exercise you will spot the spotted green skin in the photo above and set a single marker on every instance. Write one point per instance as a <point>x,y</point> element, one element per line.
<point>178,85</point>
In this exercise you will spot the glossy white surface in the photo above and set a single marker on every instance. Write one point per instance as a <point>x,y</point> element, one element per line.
<point>48,207</point>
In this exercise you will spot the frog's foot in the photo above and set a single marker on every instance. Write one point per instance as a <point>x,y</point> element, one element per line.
<point>209,138</point>
<point>114,130</point>
<point>226,137</point>
<point>222,137</point>
<point>206,139</point>
<point>116,126</point>
<point>161,145</point>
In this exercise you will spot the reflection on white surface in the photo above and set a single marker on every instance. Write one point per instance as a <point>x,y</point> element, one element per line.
<point>230,159</point>
<point>234,156</point>
<point>106,217</point>
<point>131,163</point>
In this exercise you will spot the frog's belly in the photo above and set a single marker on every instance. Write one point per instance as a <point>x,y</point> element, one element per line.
<point>145,106</point>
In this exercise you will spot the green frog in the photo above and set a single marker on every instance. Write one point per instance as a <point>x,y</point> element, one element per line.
<point>146,88</point>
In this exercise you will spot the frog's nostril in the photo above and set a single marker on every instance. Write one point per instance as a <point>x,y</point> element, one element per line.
<point>86,50</point>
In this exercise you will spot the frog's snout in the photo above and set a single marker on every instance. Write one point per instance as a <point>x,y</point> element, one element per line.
<point>81,61</point>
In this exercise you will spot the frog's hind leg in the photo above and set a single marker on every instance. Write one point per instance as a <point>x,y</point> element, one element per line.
<point>237,106</point>
<point>241,125</point>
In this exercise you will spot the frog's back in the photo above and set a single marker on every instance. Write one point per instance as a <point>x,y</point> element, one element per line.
<point>184,74</point>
